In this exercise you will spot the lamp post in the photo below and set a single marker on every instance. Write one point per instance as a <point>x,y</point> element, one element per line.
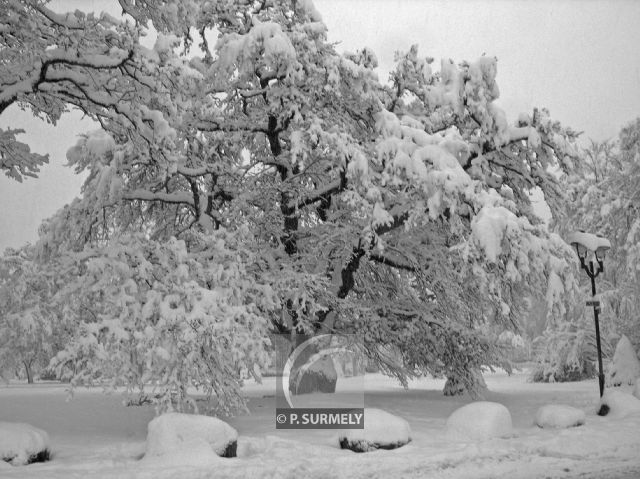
<point>586,243</point>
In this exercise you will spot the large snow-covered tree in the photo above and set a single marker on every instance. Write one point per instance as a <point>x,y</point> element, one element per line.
<point>398,210</point>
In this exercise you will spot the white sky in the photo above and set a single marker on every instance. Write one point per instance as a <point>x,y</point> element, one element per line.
<point>578,58</point>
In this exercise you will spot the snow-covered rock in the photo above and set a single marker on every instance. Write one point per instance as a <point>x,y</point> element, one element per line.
<point>559,416</point>
<point>21,443</point>
<point>382,430</point>
<point>620,404</point>
<point>204,437</point>
<point>479,420</point>
<point>625,367</point>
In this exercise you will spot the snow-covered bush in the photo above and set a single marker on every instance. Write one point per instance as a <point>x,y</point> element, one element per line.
<point>478,421</point>
<point>382,430</point>
<point>625,366</point>
<point>565,353</point>
<point>22,443</point>
<point>175,434</point>
<point>559,416</point>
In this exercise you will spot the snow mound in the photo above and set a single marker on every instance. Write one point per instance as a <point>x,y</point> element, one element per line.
<point>188,437</point>
<point>559,416</point>
<point>620,404</point>
<point>382,430</point>
<point>625,367</point>
<point>479,420</point>
<point>21,443</point>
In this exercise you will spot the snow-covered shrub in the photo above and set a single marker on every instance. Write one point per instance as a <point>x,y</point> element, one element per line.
<point>565,355</point>
<point>174,434</point>
<point>22,443</point>
<point>620,403</point>
<point>625,366</point>
<point>559,416</point>
<point>478,421</point>
<point>382,430</point>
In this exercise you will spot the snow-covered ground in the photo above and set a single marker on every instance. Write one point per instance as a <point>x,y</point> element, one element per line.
<point>95,436</point>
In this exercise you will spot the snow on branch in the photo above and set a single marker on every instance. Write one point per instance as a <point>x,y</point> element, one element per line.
<point>9,92</point>
<point>182,197</point>
<point>16,158</point>
<point>393,262</point>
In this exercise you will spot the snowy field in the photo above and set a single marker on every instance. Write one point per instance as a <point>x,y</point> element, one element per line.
<point>95,436</point>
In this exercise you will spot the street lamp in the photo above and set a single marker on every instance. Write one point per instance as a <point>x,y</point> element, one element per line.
<point>586,243</point>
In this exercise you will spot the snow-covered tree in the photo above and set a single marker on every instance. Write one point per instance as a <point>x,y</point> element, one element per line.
<point>400,211</point>
<point>28,338</point>
<point>605,200</point>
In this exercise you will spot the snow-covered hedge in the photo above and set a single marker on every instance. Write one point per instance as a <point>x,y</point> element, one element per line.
<point>559,416</point>
<point>22,443</point>
<point>382,430</point>
<point>478,421</point>
<point>174,434</point>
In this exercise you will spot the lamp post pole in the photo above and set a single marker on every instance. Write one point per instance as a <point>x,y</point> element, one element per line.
<point>593,273</point>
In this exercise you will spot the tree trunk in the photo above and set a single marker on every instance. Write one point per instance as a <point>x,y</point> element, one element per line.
<point>474,384</point>
<point>320,377</point>
<point>27,368</point>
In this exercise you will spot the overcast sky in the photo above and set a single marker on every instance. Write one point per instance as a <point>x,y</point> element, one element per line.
<point>578,58</point>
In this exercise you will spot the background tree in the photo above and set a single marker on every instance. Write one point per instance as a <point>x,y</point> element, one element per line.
<point>28,338</point>
<point>606,201</point>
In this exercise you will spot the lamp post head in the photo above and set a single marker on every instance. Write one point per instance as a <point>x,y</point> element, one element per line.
<point>586,242</point>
